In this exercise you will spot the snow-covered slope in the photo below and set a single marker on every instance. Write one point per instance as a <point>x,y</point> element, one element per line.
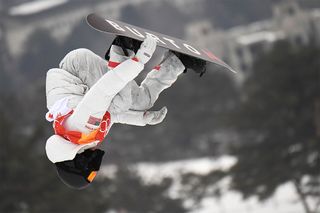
<point>285,199</point>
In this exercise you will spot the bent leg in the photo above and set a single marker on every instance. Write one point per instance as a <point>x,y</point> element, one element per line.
<point>90,110</point>
<point>97,100</point>
<point>157,80</point>
<point>85,64</point>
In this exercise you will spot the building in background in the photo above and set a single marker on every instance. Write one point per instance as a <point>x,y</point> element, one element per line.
<point>241,45</point>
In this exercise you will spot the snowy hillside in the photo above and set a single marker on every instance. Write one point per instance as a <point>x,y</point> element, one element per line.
<point>284,200</point>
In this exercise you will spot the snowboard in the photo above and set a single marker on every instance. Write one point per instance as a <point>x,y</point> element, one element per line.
<point>111,26</point>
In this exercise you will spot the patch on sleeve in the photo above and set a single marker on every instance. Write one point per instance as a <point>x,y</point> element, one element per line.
<point>94,121</point>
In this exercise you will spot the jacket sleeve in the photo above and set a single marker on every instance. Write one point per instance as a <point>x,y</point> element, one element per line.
<point>140,118</point>
<point>97,100</point>
<point>116,79</point>
<point>61,84</point>
<point>130,117</point>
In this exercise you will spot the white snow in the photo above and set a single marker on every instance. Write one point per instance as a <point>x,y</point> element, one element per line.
<point>259,36</point>
<point>34,7</point>
<point>150,171</point>
<point>285,199</point>
<point>156,171</point>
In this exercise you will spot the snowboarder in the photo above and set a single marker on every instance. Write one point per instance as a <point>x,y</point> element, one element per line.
<point>86,95</point>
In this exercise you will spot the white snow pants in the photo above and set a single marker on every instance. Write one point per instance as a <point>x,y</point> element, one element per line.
<point>116,91</point>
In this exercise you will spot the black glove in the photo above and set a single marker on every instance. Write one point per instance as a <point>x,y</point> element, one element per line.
<point>195,64</point>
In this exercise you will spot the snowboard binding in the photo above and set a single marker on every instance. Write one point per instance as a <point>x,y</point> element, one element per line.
<point>125,43</point>
<point>191,63</point>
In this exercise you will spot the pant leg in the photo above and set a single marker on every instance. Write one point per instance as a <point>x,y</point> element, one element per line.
<point>97,100</point>
<point>84,64</point>
<point>144,97</point>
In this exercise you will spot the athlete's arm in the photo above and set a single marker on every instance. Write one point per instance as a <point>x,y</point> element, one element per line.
<point>140,118</point>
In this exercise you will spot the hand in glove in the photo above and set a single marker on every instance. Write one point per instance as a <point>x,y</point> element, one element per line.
<point>146,50</point>
<point>155,117</point>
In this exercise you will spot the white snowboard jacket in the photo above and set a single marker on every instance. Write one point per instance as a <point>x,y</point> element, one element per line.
<point>81,69</point>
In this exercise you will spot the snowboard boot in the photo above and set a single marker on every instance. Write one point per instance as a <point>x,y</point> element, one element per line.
<point>191,63</point>
<point>125,43</point>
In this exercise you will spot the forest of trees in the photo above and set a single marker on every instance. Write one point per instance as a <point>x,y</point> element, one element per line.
<point>277,121</point>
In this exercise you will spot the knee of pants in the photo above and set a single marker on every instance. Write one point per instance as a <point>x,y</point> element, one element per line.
<point>76,58</point>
